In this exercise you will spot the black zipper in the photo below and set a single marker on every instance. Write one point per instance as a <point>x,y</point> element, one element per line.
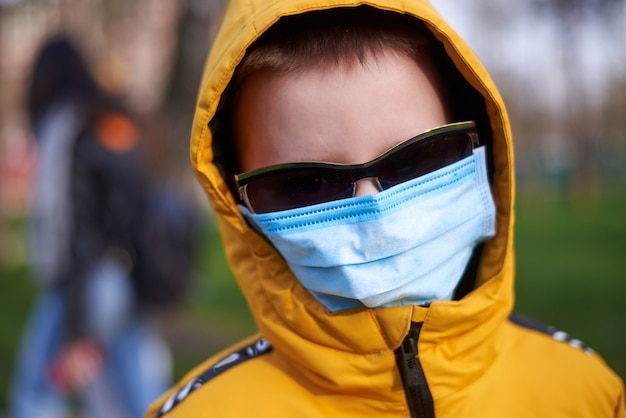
<point>418,395</point>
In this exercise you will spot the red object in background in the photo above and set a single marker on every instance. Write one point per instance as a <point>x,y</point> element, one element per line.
<point>76,366</point>
<point>17,167</point>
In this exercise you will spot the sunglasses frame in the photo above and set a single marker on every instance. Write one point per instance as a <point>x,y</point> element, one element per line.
<point>358,171</point>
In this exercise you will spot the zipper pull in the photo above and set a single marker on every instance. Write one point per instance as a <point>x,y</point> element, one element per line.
<point>418,395</point>
<point>406,356</point>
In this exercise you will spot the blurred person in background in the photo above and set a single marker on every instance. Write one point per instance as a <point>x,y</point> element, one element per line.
<point>89,340</point>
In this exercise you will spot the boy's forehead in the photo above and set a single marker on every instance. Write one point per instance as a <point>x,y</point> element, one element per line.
<point>342,113</point>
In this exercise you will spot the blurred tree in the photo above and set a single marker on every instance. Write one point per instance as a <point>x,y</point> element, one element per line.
<point>581,125</point>
<point>614,156</point>
<point>567,8</point>
<point>196,28</point>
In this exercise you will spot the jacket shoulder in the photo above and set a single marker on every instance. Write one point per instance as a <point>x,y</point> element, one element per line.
<point>556,334</point>
<point>551,347</point>
<point>205,373</point>
<point>545,360</point>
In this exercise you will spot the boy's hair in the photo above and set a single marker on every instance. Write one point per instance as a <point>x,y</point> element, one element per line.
<point>330,38</point>
<point>341,36</point>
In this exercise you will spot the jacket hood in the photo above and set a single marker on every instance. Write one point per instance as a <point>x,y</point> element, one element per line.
<point>286,314</point>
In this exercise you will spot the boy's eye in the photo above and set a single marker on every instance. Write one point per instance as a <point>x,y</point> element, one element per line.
<point>310,186</point>
<point>423,157</point>
<point>313,186</point>
<point>306,184</point>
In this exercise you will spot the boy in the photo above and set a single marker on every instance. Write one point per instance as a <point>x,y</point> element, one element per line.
<point>359,161</point>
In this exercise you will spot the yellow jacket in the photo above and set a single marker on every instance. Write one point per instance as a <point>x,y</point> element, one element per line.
<point>473,358</point>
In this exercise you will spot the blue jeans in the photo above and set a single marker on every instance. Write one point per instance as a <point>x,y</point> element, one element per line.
<point>137,366</point>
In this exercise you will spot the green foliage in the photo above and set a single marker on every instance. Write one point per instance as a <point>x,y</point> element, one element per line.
<point>571,267</point>
<point>17,291</point>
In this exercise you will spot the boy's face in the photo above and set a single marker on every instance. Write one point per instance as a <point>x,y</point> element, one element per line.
<point>342,114</point>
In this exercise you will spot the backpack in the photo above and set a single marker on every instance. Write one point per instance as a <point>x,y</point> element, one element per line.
<point>165,245</point>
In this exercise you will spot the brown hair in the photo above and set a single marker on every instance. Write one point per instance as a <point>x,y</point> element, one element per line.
<point>330,38</point>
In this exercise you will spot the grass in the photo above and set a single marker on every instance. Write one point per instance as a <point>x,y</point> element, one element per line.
<point>17,292</point>
<point>571,268</point>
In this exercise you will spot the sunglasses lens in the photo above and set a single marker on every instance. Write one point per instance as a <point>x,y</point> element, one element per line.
<point>298,188</point>
<point>423,157</point>
<point>281,188</point>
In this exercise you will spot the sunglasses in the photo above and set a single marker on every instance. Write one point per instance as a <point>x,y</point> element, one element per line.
<point>293,185</point>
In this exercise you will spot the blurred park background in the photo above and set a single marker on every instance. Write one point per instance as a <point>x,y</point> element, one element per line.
<point>560,65</point>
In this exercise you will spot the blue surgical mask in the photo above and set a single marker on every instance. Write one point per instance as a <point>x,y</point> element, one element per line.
<point>409,244</point>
